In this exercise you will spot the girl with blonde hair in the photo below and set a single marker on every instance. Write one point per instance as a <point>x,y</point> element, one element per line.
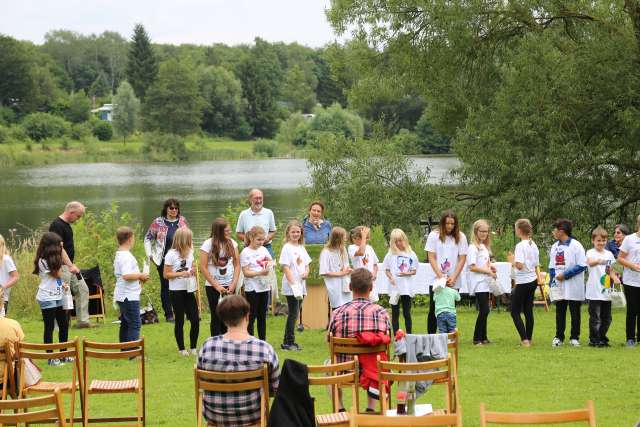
<point>8,275</point>
<point>480,272</point>
<point>334,268</point>
<point>400,265</point>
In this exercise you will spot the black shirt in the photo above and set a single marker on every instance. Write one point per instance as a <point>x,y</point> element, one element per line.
<point>172,227</point>
<point>64,230</point>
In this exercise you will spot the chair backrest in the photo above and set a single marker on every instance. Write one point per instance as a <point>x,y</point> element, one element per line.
<point>38,351</point>
<point>7,360</point>
<point>438,371</point>
<point>336,375</point>
<point>453,346</point>
<point>229,382</point>
<point>20,406</point>
<point>351,346</point>
<point>587,414</point>
<point>406,420</point>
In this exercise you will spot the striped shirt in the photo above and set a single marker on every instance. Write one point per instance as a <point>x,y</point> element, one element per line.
<point>223,355</point>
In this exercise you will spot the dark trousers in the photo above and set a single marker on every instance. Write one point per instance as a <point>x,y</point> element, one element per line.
<point>294,308</point>
<point>561,318</point>
<point>6,309</point>
<point>482,303</point>
<point>405,300</point>
<point>259,301</point>
<point>522,302</point>
<point>50,316</point>
<point>164,293</point>
<point>599,321</point>
<point>432,322</point>
<point>632,293</point>
<point>217,327</point>
<point>130,322</point>
<point>184,302</point>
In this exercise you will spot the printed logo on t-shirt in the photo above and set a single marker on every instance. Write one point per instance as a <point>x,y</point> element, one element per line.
<point>605,280</point>
<point>404,263</point>
<point>365,259</point>
<point>263,262</point>
<point>445,266</point>
<point>560,262</point>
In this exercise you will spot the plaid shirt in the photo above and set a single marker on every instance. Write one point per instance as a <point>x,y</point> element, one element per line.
<point>359,315</point>
<point>222,355</point>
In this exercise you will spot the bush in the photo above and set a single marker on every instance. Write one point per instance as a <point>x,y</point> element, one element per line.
<point>17,133</point>
<point>294,130</point>
<point>268,148</point>
<point>338,121</point>
<point>7,116</point>
<point>164,147</point>
<point>103,130</point>
<point>431,142</point>
<point>407,142</point>
<point>4,135</point>
<point>80,131</point>
<point>39,126</point>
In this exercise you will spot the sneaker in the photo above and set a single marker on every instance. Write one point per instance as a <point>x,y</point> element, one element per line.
<point>298,348</point>
<point>54,362</point>
<point>557,342</point>
<point>574,342</point>
<point>193,352</point>
<point>171,320</point>
<point>604,344</point>
<point>594,344</point>
<point>287,347</point>
<point>68,360</point>
<point>631,343</point>
<point>183,352</point>
<point>485,342</point>
<point>477,343</point>
<point>300,327</point>
<point>525,343</point>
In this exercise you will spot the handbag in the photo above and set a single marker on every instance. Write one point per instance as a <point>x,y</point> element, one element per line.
<point>148,314</point>
<point>192,284</point>
<point>494,288</point>
<point>618,298</point>
<point>394,295</point>
<point>556,293</point>
<point>32,374</point>
<point>296,288</point>
<point>67,301</point>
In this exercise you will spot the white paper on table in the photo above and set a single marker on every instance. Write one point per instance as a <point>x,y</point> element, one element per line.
<point>421,409</point>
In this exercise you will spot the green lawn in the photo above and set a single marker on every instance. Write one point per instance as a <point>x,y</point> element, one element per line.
<point>504,375</point>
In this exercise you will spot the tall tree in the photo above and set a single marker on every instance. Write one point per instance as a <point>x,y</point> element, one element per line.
<point>126,110</point>
<point>17,81</point>
<point>142,65</point>
<point>173,103</point>
<point>297,92</point>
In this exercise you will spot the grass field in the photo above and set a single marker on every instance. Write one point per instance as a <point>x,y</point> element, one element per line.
<point>503,374</point>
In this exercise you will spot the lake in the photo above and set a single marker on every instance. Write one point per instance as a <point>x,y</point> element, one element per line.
<point>32,196</point>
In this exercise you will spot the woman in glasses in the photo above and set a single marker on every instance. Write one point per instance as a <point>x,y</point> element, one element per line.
<point>157,243</point>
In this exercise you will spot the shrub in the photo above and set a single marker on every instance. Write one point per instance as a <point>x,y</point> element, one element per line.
<point>431,142</point>
<point>7,116</point>
<point>164,147</point>
<point>4,135</point>
<point>407,142</point>
<point>294,130</point>
<point>17,133</point>
<point>80,131</point>
<point>338,121</point>
<point>103,130</point>
<point>39,126</point>
<point>268,148</point>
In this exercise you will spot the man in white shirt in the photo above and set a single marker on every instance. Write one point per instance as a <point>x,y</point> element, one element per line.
<point>257,214</point>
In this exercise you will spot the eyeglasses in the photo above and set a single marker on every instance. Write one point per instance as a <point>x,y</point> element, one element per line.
<point>173,207</point>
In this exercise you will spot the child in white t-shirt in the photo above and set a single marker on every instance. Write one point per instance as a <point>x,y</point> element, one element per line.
<point>334,268</point>
<point>256,263</point>
<point>400,266</point>
<point>480,272</point>
<point>362,255</point>
<point>179,271</point>
<point>629,257</point>
<point>294,261</point>
<point>129,281</point>
<point>8,275</point>
<point>599,286</point>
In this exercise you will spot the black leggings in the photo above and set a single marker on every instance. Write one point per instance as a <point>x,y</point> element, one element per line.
<point>50,316</point>
<point>217,327</point>
<point>432,322</point>
<point>259,302</point>
<point>480,331</point>
<point>632,293</point>
<point>522,302</point>
<point>184,302</point>
<point>405,300</point>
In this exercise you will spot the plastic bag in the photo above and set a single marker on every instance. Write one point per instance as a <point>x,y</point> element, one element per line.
<point>67,301</point>
<point>394,295</point>
<point>296,288</point>
<point>192,284</point>
<point>618,298</point>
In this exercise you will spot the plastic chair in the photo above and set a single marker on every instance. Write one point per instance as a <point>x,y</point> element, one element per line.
<point>587,414</point>
<point>358,420</point>
<point>229,382</point>
<point>336,376</point>
<point>46,352</point>
<point>21,406</point>
<point>133,350</point>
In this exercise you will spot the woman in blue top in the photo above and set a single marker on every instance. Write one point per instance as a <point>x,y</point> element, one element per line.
<point>316,228</point>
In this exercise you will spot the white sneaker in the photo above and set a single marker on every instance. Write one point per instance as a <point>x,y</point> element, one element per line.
<point>183,352</point>
<point>557,342</point>
<point>194,352</point>
<point>574,343</point>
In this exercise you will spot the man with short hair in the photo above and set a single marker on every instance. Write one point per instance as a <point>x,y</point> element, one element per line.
<point>257,214</point>
<point>73,211</point>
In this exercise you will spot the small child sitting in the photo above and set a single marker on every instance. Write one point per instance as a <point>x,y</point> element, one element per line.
<point>445,297</point>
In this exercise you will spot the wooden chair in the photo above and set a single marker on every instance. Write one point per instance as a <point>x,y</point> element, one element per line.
<point>93,279</point>
<point>541,283</point>
<point>46,352</point>
<point>336,376</point>
<point>114,351</point>
<point>21,406</point>
<point>453,346</point>
<point>7,373</point>
<point>438,371</point>
<point>358,420</point>
<point>587,414</point>
<point>229,382</point>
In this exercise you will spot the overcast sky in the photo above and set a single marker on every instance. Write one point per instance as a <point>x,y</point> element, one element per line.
<point>173,21</point>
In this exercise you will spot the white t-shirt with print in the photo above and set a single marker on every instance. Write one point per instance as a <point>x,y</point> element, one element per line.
<point>599,275</point>
<point>369,260</point>
<point>562,258</point>
<point>222,273</point>
<point>50,288</point>
<point>447,253</point>
<point>125,263</point>
<point>297,259</point>
<point>527,253</point>
<point>478,256</point>
<point>631,247</point>
<point>6,268</point>
<point>401,263</point>
<point>178,263</point>
<point>256,260</point>
<point>333,262</point>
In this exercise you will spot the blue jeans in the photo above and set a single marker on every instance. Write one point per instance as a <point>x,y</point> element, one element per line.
<point>446,322</point>
<point>129,320</point>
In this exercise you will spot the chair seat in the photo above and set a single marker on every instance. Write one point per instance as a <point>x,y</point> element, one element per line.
<point>332,419</point>
<point>49,386</point>
<point>114,385</point>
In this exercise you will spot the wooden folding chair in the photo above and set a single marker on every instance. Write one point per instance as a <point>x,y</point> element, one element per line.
<point>336,376</point>
<point>21,406</point>
<point>7,372</point>
<point>46,352</point>
<point>453,346</point>
<point>587,414</point>
<point>438,371</point>
<point>358,420</point>
<point>114,351</point>
<point>230,382</point>
<point>541,282</point>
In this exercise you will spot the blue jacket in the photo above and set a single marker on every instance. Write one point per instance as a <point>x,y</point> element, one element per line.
<point>313,235</point>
